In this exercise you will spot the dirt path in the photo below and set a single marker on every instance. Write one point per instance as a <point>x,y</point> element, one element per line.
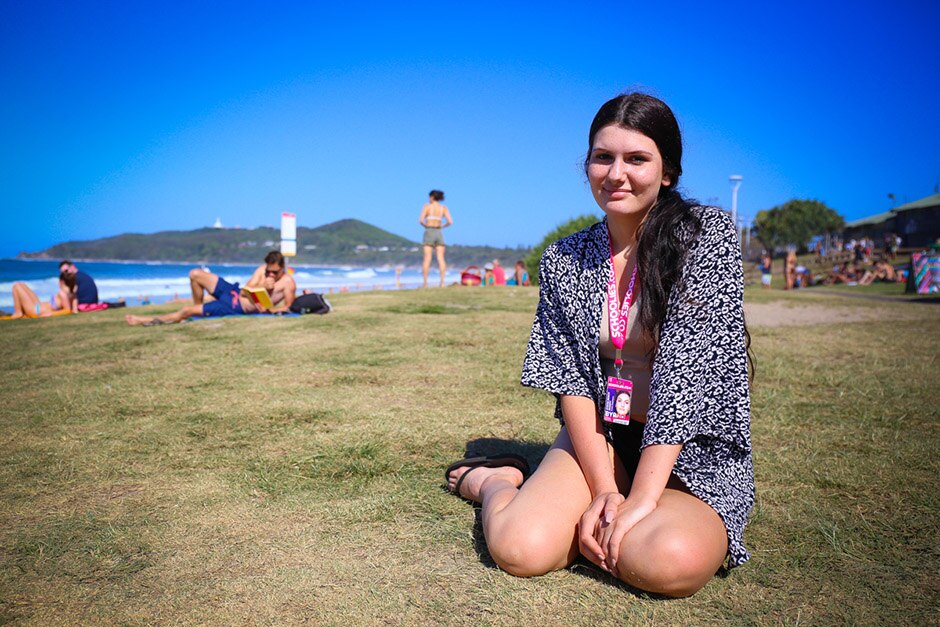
<point>781,314</point>
<point>786,313</point>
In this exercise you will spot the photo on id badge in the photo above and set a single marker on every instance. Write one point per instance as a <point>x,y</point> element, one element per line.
<point>619,395</point>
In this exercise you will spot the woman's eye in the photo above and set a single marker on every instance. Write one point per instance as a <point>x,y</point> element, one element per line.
<point>602,156</point>
<point>637,159</point>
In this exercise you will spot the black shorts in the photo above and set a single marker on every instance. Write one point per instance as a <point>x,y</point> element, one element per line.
<point>627,442</point>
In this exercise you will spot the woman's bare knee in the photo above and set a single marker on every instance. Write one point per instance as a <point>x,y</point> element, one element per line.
<point>671,564</point>
<point>527,549</point>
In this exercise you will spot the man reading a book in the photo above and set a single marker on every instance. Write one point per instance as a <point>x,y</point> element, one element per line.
<point>269,290</point>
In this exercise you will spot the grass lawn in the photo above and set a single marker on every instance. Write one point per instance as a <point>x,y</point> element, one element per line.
<point>286,470</point>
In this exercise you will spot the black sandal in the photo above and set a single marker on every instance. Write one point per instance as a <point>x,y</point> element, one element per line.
<point>486,461</point>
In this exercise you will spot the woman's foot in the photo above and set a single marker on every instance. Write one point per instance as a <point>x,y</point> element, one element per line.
<point>471,481</point>
<point>137,321</point>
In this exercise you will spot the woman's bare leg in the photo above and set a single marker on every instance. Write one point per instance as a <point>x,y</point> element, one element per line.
<point>677,549</point>
<point>426,264</point>
<point>531,530</point>
<point>441,264</point>
<point>24,301</point>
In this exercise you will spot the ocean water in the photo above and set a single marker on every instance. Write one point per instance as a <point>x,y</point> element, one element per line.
<point>139,283</point>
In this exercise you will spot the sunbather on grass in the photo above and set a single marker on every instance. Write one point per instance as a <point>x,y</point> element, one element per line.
<point>26,304</point>
<point>228,299</point>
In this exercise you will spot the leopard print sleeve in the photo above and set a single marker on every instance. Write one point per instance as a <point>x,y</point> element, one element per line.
<point>699,391</point>
<point>552,354</point>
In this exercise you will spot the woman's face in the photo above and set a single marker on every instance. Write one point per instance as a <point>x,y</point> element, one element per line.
<point>625,170</point>
<point>623,404</point>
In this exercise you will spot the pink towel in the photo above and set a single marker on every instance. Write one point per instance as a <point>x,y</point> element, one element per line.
<point>92,306</point>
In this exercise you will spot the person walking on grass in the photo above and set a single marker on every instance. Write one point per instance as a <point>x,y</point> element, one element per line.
<point>434,217</point>
<point>227,298</point>
<point>649,300</point>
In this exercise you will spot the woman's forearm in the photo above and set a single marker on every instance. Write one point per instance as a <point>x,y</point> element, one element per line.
<point>653,471</point>
<point>589,443</point>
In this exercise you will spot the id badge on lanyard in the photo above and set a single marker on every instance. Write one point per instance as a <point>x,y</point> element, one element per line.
<point>619,391</point>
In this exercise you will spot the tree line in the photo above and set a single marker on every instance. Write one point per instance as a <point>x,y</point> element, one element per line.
<point>346,242</point>
<point>794,223</point>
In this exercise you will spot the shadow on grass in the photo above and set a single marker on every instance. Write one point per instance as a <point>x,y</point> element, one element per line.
<point>532,451</point>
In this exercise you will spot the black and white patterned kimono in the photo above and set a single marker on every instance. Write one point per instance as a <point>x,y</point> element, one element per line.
<point>699,386</point>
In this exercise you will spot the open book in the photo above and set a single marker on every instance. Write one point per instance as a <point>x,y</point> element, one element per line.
<point>260,296</point>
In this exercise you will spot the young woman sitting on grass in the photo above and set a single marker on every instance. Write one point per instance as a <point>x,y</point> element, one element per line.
<point>660,502</point>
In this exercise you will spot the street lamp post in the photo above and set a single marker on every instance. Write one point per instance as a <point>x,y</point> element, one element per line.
<point>735,184</point>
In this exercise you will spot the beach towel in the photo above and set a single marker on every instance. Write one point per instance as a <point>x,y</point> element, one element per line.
<point>60,312</point>
<point>92,306</point>
<point>280,314</point>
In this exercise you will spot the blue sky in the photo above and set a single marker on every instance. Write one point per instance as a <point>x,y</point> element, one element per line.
<point>146,116</point>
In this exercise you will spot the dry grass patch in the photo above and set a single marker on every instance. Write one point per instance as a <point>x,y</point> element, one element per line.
<point>289,470</point>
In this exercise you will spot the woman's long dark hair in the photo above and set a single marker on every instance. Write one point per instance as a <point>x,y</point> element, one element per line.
<point>69,279</point>
<point>670,227</point>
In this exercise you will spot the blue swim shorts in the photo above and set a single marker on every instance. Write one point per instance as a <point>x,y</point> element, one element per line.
<point>226,301</point>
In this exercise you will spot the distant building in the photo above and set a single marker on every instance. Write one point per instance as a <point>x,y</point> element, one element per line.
<point>918,223</point>
<point>218,223</point>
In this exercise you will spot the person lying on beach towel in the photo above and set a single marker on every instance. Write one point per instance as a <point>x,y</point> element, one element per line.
<point>26,304</point>
<point>229,298</point>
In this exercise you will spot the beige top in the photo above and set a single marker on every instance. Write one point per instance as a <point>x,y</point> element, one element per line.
<point>636,363</point>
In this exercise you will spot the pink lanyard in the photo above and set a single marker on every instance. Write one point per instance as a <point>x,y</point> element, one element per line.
<point>616,316</point>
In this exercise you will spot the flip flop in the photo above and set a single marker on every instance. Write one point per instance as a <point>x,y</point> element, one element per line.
<point>486,461</point>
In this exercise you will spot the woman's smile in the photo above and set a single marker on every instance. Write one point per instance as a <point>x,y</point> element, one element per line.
<point>616,194</point>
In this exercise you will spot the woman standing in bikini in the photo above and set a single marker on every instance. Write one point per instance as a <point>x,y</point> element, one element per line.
<point>650,300</point>
<point>434,218</point>
<point>789,270</point>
